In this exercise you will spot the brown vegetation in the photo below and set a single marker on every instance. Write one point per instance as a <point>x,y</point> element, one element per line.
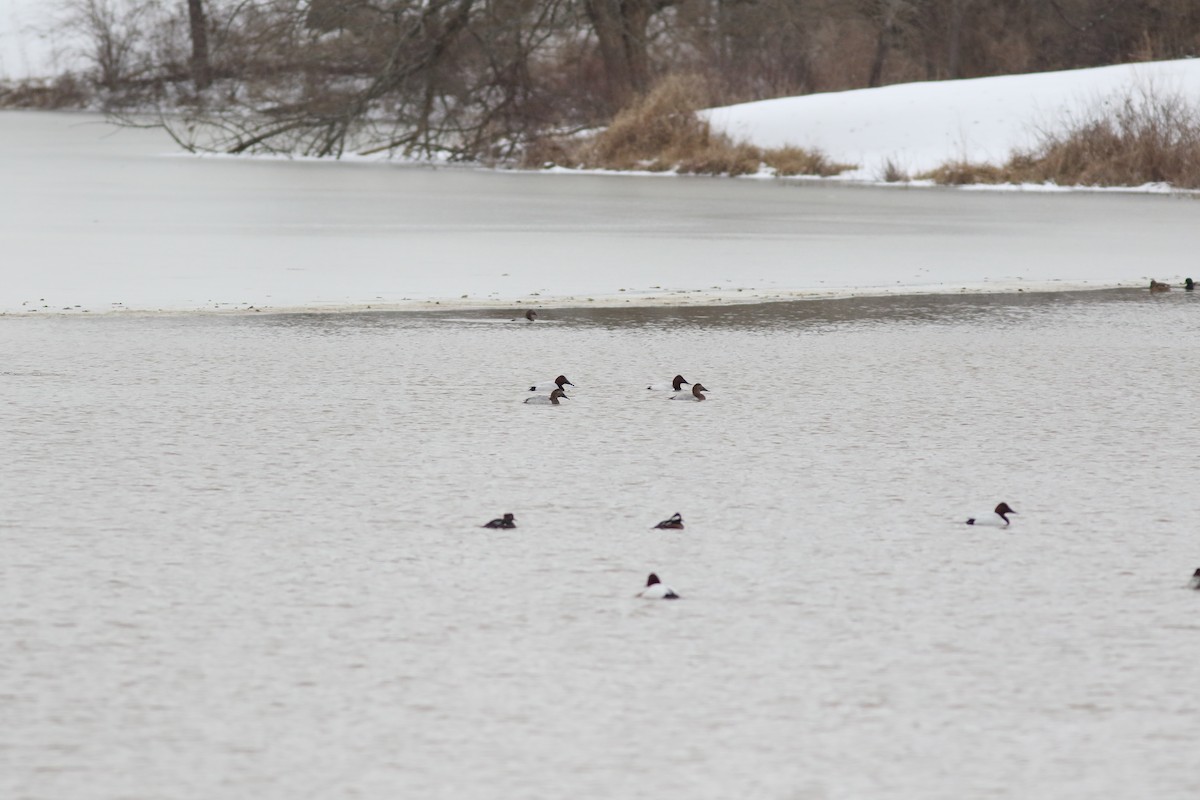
<point>1142,138</point>
<point>661,131</point>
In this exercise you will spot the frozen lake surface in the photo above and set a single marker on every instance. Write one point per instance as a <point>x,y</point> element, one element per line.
<point>97,219</point>
<point>241,553</point>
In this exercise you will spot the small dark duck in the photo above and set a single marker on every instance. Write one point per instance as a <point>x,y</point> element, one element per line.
<point>675,523</point>
<point>507,521</point>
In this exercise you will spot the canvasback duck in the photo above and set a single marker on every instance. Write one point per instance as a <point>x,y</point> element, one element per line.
<point>657,590</point>
<point>1155,286</point>
<point>676,385</point>
<point>1189,285</point>
<point>542,386</point>
<point>694,394</point>
<point>552,400</point>
<point>997,520</point>
<point>1195,584</point>
<point>675,523</point>
<point>507,521</point>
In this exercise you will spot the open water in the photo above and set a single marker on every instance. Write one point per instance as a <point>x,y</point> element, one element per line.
<point>240,555</point>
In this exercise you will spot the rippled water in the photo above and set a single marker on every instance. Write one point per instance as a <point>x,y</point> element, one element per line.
<point>241,554</point>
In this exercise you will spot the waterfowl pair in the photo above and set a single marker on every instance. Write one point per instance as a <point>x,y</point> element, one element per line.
<point>997,519</point>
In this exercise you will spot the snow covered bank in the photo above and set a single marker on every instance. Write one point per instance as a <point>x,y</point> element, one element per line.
<point>917,126</point>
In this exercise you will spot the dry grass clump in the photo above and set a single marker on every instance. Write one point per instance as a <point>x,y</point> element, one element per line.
<point>798,161</point>
<point>661,131</point>
<point>1141,138</point>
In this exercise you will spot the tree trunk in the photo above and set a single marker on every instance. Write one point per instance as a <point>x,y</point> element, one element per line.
<point>620,27</point>
<point>954,35</point>
<point>201,69</point>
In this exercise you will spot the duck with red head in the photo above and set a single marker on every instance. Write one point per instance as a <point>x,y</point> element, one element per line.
<point>997,519</point>
<point>657,590</point>
<point>673,385</point>
<point>552,400</point>
<point>543,386</point>
<point>694,394</point>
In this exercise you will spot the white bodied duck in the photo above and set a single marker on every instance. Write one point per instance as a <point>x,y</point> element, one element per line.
<point>998,519</point>
<point>675,385</point>
<point>657,590</point>
<point>552,400</point>
<point>543,386</point>
<point>694,394</point>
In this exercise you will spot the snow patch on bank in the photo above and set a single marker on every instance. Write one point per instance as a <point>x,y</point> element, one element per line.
<point>918,126</point>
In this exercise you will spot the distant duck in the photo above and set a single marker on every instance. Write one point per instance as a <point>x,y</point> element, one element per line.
<point>530,315</point>
<point>1155,286</point>
<point>507,521</point>
<point>697,388</point>
<point>676,385</point>
<point>657,590</point>
<point>542,386</point>
<point>675,523</point>
<point>1189,285</point>
<point>1195,584</point>
<point>998,520</point>
<point>552,400</point>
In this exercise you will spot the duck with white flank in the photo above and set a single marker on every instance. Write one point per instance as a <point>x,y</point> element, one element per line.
<point>694,394</point>
<point>997,520</point>
<point>675,523</point>
<point>542,386</point>
<point>507,521</point>
<point>552,400</point>
<point>676,385</point>
<point>657,590</point>
<point>1195,584</point>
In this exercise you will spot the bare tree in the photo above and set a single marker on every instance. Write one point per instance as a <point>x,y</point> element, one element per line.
<point>621,29</point>
<point>198,26</point>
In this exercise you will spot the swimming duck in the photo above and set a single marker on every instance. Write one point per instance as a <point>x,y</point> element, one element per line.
<point>1155,286</point>
<point>657,590</point>
<point>675,523</point>
<point>1000,520</point>
<point>542,386</point>
<point>530,315</point>
<point>507,521</point>
<point>676,385</point>
<point>1195,584</point>
<point>552,400</point>
<point>1189,285</point>
<point>697,388</point>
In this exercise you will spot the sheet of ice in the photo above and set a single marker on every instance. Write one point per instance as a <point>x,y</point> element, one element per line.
<point>918,126</point>
<point>97,219</point>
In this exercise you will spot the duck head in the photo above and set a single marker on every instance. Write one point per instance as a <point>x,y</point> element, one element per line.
<point>562,379</point>
<point>678,381</point>
<point>556,395</point>
<point>1003,510</point>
